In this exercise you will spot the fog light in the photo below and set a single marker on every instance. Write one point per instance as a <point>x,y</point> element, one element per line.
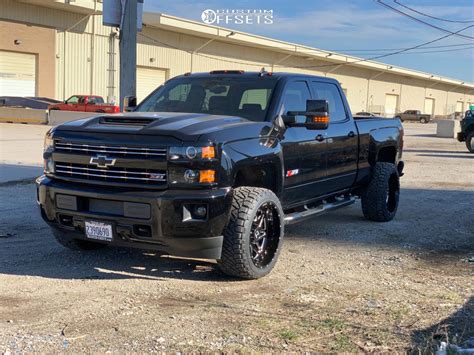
<point>191,175</point>
<point>200,211</point>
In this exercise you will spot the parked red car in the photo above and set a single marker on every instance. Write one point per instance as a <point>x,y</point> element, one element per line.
<point>85,103</point>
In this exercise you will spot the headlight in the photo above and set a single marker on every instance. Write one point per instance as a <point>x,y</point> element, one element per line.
<point>192,153</point>
<point>48,142</point>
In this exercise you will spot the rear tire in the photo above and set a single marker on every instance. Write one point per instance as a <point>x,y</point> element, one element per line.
<point>380,198</point>
<point>76,244</point>
<point>423,120</point>
<point>254,235</point>
<point>470,142</point>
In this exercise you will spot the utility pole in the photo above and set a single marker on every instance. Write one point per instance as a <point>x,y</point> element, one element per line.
<point>128,50</point>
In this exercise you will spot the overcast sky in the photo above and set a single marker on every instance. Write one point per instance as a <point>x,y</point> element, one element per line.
<point>344,25</point>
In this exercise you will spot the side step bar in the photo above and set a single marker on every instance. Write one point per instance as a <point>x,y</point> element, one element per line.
<point>296,217</point>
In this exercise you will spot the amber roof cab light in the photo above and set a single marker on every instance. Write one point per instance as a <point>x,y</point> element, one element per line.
<point>226,72</point>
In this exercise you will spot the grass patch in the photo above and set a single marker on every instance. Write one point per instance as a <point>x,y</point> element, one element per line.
<point>341,343</point>
<point>333,324</point>
<point>287,334</point>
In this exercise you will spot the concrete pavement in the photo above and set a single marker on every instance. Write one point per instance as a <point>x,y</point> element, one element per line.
<point>21,151</point>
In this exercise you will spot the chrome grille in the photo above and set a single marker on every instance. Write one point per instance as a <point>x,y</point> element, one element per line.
<point>120,151</point>
<point>111,174</point>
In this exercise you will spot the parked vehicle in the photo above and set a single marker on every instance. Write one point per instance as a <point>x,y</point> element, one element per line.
<point>413,115</point>
<point>213,165</point>
<point>85,103</point>
<point>467,130</point>
<point>364,114</point>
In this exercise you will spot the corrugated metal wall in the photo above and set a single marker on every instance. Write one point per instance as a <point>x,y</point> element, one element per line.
<point>83,54</point>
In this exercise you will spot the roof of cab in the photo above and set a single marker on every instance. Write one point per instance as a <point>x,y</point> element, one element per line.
<point>241,73</point>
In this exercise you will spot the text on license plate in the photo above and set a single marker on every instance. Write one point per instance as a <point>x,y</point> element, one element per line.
<point>99,231</point>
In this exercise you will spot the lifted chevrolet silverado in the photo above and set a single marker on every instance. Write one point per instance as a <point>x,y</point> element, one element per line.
<point>214,165</point>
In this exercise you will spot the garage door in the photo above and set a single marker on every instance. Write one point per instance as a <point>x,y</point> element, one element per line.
<point>429,106</point>
<point>17,74</point>
<point>148,79</point>
<point>391,104</point>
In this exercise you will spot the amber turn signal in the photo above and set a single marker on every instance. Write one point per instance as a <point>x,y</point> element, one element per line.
<point>320,119</point>
<point>208,153</point>
<point>207,176</point>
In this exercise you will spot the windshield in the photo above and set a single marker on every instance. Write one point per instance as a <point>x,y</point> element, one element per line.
<point>247,97</point>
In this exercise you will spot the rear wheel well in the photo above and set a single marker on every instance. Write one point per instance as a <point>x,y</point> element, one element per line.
<point>387,155</point>
<point>258,176</point>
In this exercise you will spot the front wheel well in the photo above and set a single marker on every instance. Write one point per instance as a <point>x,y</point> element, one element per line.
<point>264,176</point>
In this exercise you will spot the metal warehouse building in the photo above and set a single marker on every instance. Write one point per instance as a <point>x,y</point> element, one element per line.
<point>57,48</point>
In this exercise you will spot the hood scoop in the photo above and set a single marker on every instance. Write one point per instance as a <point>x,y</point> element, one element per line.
<point>126,121</point>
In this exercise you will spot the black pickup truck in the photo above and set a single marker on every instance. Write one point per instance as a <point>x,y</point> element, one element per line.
<point>213,165</point>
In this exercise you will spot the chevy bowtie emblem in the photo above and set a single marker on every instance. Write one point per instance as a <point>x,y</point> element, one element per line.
<point>102,161</point>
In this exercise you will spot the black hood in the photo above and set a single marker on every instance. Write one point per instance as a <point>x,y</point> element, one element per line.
<point>183,126</point>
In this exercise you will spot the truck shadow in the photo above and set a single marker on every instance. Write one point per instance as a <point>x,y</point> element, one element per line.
<point>423,225</point>
<point>457,329</point>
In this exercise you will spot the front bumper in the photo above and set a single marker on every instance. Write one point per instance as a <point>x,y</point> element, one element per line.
<point>153,220</point>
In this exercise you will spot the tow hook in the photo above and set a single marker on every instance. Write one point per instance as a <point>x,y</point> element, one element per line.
<point>400,167</point>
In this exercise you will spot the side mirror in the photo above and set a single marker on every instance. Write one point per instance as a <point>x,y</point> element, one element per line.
<point>129,103</point>
<point>317,115</point>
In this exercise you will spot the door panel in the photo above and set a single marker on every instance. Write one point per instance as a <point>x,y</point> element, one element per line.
<point>304,155</point>
<point>343,150</point>
<point>342,139</point>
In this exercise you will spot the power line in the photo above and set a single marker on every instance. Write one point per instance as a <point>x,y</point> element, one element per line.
<point>310,66</point>
<point>396,49</point>
<point>410,48</point>
<point>437,51</point>
<point>430,16</point>
<point>380,2</point>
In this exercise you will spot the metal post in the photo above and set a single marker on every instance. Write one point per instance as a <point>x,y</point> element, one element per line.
<point>128,51</point>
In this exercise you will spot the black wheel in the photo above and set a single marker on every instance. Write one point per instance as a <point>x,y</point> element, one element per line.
<point>470,142</point>
<point>76,244</point>
<point>100,111</point>
<point>423,120</point>
<point>381,196</point>
<point>254,234</point>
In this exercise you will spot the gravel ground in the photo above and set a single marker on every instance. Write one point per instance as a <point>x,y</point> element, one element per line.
<point>341,284</point>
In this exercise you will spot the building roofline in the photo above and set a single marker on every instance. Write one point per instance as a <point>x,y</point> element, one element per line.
<point>182,25</point>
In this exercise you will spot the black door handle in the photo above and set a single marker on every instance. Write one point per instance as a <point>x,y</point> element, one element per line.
<point>320,138</point>
<point>351,134</point>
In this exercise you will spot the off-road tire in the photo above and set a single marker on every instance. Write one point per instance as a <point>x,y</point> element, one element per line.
<point>236,259</point>
<point>76,244</point>
<point>469,140</point>
<point>380,198</point>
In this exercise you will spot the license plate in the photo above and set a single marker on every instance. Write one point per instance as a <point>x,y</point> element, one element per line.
<point>99,231</point>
